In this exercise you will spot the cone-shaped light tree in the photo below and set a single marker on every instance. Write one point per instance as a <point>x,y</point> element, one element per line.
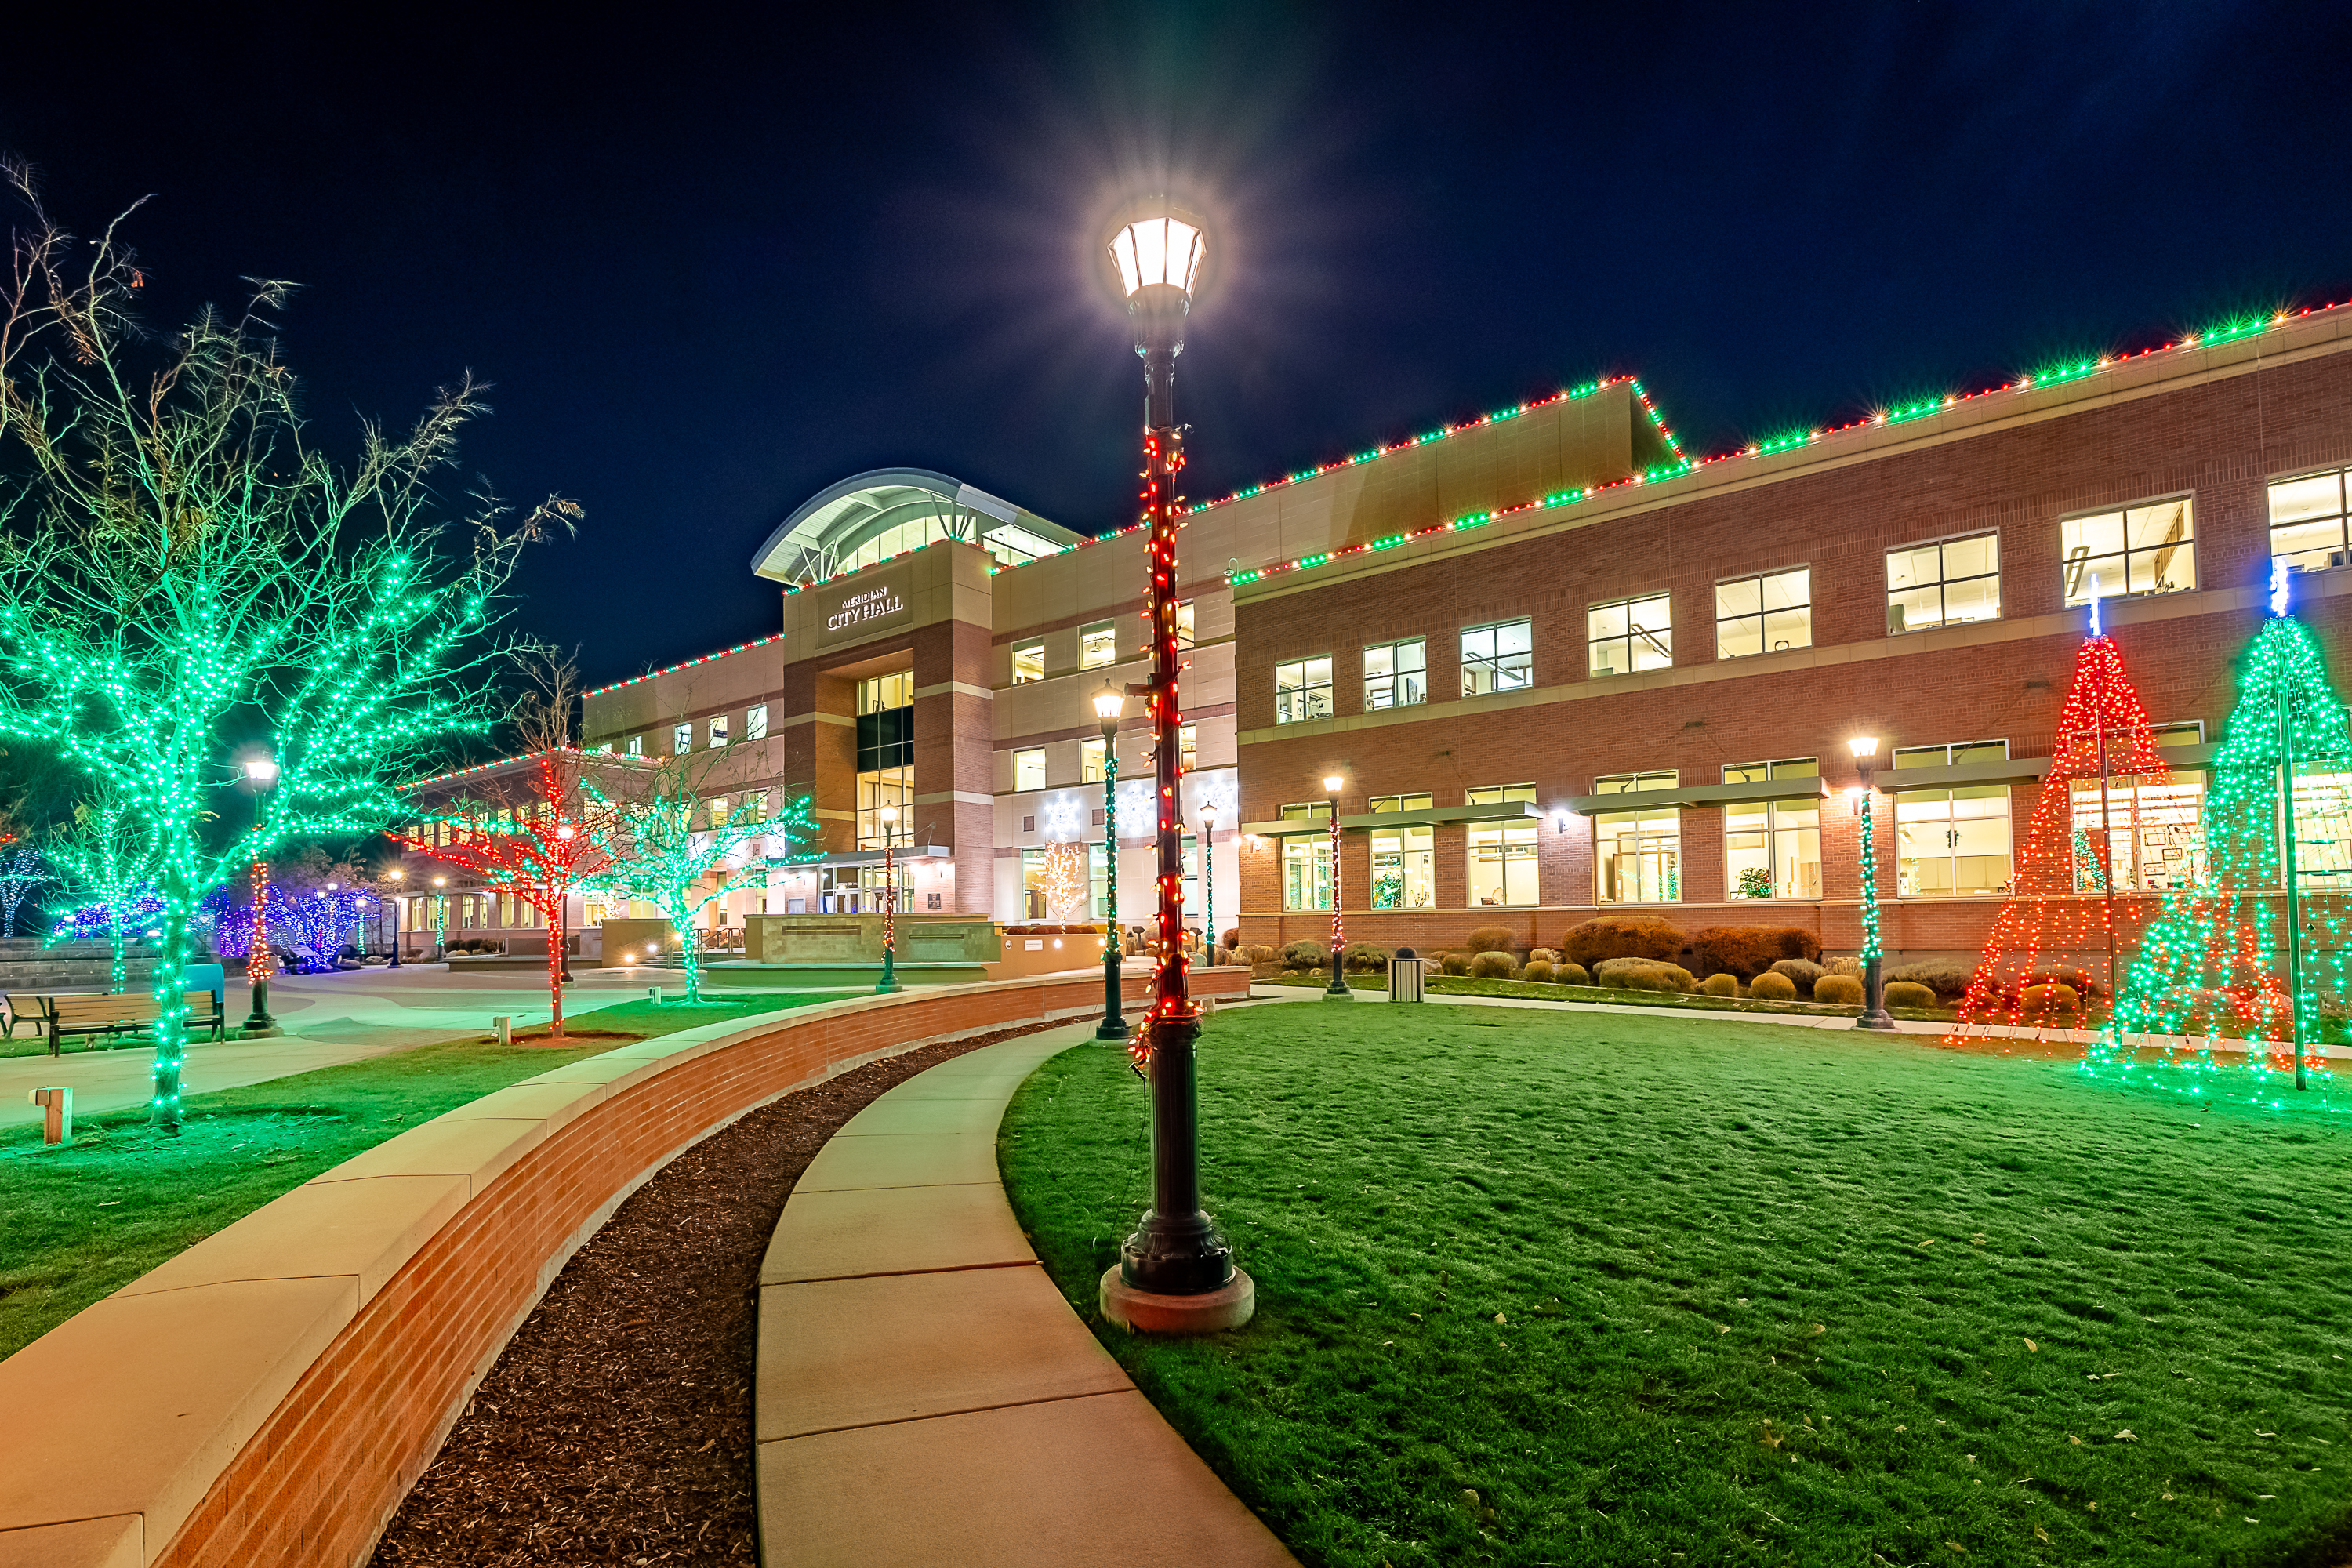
<point>180,557</point>
<point>2257,950</point>
<point>2061,938</point>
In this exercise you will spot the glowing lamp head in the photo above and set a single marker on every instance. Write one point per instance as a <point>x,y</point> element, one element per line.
<point>1331,782</point>
<point>261,771</point>
<point>1161,250</point>
<point>440,881</point>
<point>564,830</point>
<point>889,814</point>
<point>1108,705</point>
<point>396,875</point>
<point>1863,746</point>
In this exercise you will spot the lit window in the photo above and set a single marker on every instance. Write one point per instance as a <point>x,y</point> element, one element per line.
<point>1946,582</point>
<point>881,693</point>
<point>1500,658</point>
<point>718,730</point>
<point>1396,674</point>
<point>1090,761</point>
<point>878,788</point>
<point>1188,747</point>
<point>2154,828</point>
<point>1637,854</point>
<point>1029,768</point>
<point>1764,614</point>
<point>1302,690</point>
<point>1629,635</point>
<point>2307,523</point>
<point>1772,849</point>
<point>2140,549</point>
<point>1028,663</point>
<point>1184,624</point>
<point>1307,859</point>
<point>755,723</point>
<point>718,806</point>
<point>758,802</point>
<point>636,745</point>
<point>1502,852</point>
<point>1097,644</point>
<point>1949,841</point>
<point>681,740</point>
<point>1404,857</point>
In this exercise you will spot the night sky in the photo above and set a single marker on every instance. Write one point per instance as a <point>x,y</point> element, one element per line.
<point>713,265</point>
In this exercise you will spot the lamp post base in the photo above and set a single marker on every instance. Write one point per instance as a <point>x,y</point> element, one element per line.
<point>1338,996</point>
<point>258,1023</point>
<point>1149,1313</point>
<point>889,981</point>
<point>1875,1020</point>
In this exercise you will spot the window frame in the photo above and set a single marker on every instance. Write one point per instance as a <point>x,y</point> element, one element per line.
<point>755,721</point>
<point>1389,682</point>
<point>1514,843</point>
<point>1037,665</point>
<point>1952,754</point>
<point>1630,637</point>
<point>2341,517</point>
<point>1411,848</point>
<point>1090,631</point>
<point>1304,690</point>
<point>1493,662</point>
<point>1944,581</point>
<point>1093,759</point>
<point>1763,614</point>
<point>1314,848</point>
<point>2073,599</point>
<point>1773,830</point>
<point>681,738</point>
<point>1025,757</point>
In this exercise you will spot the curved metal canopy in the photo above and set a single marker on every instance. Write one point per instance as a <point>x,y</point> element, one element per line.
<point>885,511</point>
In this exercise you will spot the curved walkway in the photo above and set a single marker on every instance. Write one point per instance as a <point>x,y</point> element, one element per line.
<point>926,1394</point>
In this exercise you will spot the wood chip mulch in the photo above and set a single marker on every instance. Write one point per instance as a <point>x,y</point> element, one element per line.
<point>616,1426</point>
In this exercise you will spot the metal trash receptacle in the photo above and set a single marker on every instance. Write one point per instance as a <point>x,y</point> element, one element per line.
<point>1404,976</point>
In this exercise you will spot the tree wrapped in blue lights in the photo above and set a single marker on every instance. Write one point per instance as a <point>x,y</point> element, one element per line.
<point>185,558</point>
<point>314,925</point>
<point>2257,950</point>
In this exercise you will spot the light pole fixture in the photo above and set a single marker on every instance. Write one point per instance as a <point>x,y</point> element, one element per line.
<point>261,774</point>
<point>1109,703</point>
<point>1208,877</point>
<point>440,919</point>
<point>1176,1273</point>
<point>1873,985</point>
<point>889,981</point>
<point>1337,989</point>
<point>396,876</point>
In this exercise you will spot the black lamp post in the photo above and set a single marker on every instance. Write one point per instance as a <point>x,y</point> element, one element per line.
<point>396,876</point>
<point>1209,879</point>
<point>1108,705</point>
<point>1337,989</point>
<point>889,981</point>
<point>261,772</point>
<point>1873,985</point>
<point>1176,1273</point>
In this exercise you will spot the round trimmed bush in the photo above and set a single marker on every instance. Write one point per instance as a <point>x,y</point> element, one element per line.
<point>1725,984</point>
<point>1838,989</point>
<point>1773,986</point>
<point>1453,962</point>
<point>1909,993</point>
<point>1306,954</point>
<point>1643,974</point>
<point>1800,973</point>
<point>1621,936</point>
<point>1539,971</point>
<point>1569,974</point>
<point>1941,976</point>
<point>1542,955</point>
<point>1492,939</point>
<point>1363,956</point>
<point>1491,966</point>
<point>1850,968</point>
<point>2049,997</point>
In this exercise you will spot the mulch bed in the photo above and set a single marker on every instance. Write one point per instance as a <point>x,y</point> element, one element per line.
<point>616,1426</point>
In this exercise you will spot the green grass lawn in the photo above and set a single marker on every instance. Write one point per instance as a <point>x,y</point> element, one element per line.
<point>1555,1287</point>
<point>81,1221</point>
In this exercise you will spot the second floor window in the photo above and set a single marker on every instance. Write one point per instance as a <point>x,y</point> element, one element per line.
<point>1630,635</point>
<point>1097,644</point>
<point>1187,746</point>
<point>755,722</point>
<point>1764,614</point>
<point>1943,582</point>
<point>1028,663</point>
<point>1500,658</point>
<point>1185,625</point>
<point>1302,690</point>
<point>1029,768</point>
<point>681,738</point>
<point>1396,674</point>
<point>2307,524</point>
<point>2140,549</point>
<point>719,731</point>
<point>1090,761</point>
<point>636,745</point>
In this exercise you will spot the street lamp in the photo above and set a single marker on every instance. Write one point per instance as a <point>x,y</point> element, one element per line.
<point>1208,876</point>
<point>1874,987</point>
<point>1337,989</point>
<point>889,981</point>
<point>396,876</point>
<point>1109,703</point>
<point>1176,1273</point>
<point>440,919</point>
<point>261,776</point>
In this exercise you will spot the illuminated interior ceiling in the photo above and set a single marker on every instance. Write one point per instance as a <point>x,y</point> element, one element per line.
<point>889,511</point>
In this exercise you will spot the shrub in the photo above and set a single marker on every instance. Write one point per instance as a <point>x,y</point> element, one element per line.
<point>1944,976</point>
<point>1306,956</point>
<point>1723,984</point>
<point>1620,936</point>
<point>1542,955</point>
<point>1453,962</point>
<point>1848,967</point>
<point>1569,974</point>
<point>1491,966</point>
<point>1539,970</point>
<point>1643,974</point>
<point>1492,939</point>
<point>1799,972</point>
<point>1232,937</point>
<point>1838,989</point>
<point>1909,993</point>
<point>1749,951</point>
<point>1253,954</point>
<point>1772,986</point>
<point>1363,956</point>
<point>2050,997</point>
<point>2075,980</point>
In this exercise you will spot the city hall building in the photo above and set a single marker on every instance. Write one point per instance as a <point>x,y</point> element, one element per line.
<point>1563,668</point>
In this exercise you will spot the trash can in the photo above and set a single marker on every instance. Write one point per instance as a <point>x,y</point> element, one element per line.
<point>1404,976</point>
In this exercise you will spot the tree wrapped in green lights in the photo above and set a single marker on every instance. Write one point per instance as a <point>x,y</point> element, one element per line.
<point>669,845</point>
<point>2062,911</point>
<point>2256,951</point>
<point>109,861</point>
<point>182,558</point>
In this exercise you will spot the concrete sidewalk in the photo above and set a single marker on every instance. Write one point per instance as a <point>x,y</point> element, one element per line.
<point>925,1393</point>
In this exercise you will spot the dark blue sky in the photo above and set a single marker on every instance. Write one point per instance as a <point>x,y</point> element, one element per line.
<point>714,264</point>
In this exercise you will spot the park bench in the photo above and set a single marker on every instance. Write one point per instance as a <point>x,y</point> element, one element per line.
<point>24,1008</point>
<point>116,1015</point>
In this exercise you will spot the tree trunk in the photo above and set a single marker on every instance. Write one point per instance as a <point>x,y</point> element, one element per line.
<point>167,985</point>
<point>555,971</point>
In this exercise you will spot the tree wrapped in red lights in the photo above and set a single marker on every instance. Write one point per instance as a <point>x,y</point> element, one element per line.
<point>537,842</point>
<point>2061,937</point>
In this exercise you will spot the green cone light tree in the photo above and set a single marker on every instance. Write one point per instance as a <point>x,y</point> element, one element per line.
<point>180,559</point>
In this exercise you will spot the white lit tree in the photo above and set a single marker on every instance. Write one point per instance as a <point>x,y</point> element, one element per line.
<point>183,566</point>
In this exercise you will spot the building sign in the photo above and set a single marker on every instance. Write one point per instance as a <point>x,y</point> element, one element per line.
<point>862,606</point>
